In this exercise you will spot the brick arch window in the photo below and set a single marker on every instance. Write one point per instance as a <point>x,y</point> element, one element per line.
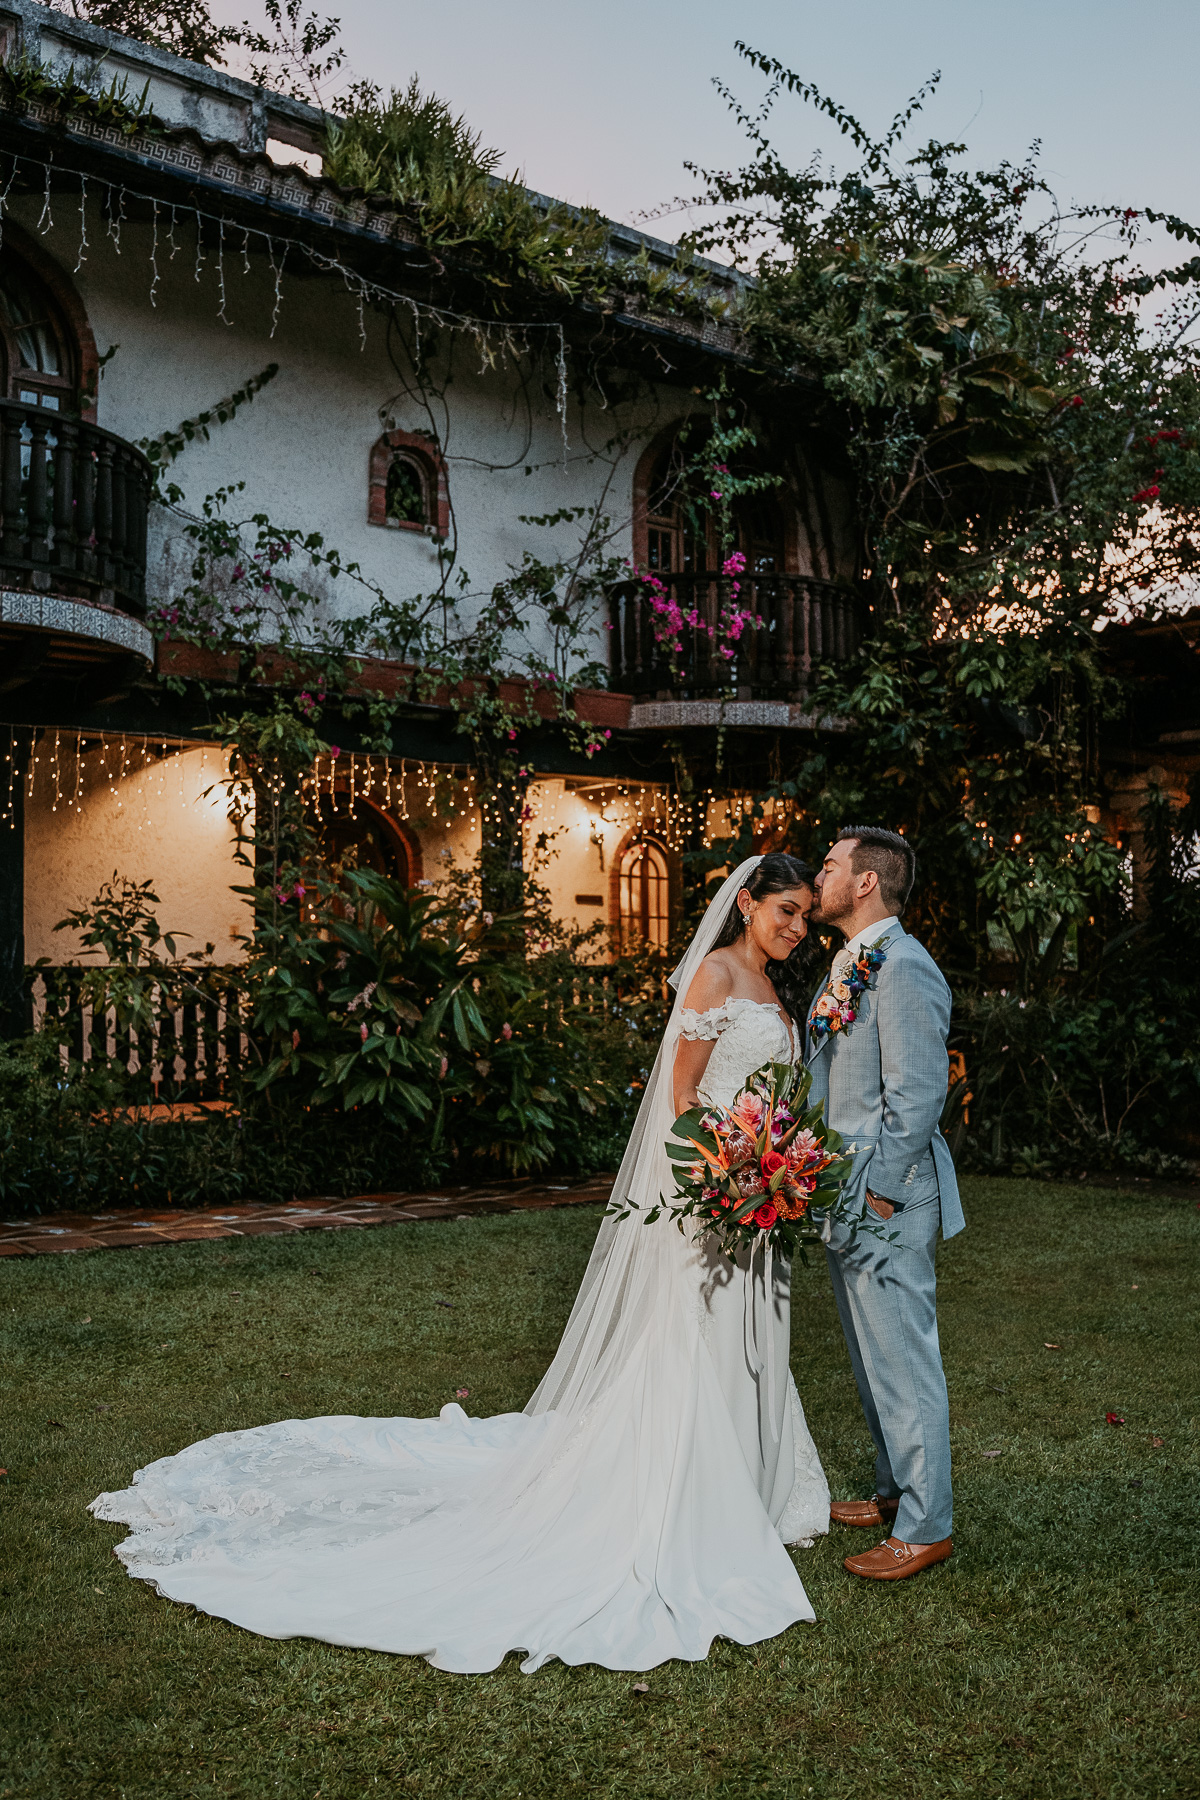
<point>408,490</point>
<point>642,879</point>
<point>47,351</point>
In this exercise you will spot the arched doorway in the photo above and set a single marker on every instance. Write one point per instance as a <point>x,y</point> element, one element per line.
<point>675,534</point>
<point>370,838</point>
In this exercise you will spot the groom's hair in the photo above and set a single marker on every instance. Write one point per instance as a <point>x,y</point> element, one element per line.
<point>891,856</point>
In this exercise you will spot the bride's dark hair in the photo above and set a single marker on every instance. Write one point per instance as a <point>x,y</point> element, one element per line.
<point>794,978</point>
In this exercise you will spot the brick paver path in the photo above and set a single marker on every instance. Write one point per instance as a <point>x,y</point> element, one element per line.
<point>61,1233</point>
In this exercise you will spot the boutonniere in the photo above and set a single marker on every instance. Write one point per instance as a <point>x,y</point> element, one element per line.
<point>837,1008</point>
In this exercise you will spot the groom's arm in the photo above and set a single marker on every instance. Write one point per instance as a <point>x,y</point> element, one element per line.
<point>913,1016</point>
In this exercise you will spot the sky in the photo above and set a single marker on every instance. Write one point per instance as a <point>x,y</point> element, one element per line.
<point>603,103</point>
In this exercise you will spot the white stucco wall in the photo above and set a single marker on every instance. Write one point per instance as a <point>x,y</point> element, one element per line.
<point>302,446</point>
<point>155,824</point>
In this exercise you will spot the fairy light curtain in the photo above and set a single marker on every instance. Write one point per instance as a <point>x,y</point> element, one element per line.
<point>169,221</point>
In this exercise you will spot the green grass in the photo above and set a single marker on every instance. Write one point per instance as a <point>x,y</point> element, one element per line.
<point>1055,1655</point>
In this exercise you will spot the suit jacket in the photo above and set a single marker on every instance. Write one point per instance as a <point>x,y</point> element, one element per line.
<point>883,1081</point>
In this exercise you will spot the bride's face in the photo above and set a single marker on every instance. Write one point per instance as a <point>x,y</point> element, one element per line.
<point>778,922</point>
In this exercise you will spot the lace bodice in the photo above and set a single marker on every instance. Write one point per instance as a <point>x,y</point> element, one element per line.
<point>746,1034</point>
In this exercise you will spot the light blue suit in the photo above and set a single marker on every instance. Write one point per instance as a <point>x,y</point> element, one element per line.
<point>883,1081</point>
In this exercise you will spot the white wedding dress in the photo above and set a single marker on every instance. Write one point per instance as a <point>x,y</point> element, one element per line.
<point>637,1509</point>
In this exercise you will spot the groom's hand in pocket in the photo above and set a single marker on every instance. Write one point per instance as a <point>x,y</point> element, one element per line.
<point>883,1209</point>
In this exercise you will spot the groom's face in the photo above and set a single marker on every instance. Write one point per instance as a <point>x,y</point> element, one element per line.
<point>836,884</point>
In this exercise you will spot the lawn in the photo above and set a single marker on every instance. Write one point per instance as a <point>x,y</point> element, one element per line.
<point>1055,1655</point>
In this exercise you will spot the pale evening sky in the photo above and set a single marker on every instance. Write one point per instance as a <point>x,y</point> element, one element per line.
<point>603,103</point>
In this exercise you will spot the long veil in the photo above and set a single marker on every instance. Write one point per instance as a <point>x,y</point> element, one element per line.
<point>622,1291</point>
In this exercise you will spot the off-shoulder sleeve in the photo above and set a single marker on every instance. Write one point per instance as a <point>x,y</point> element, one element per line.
<point>703,1026</point>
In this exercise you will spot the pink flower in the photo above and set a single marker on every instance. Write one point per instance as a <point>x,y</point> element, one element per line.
<point>462,1393</point>
<point>802,1146</point>
<point>441,1071</point>
<point>362,1031</point>
<point>747,1111</point>
<point>333,750</point>
<point>511,735</point>
<point>506,1031</point>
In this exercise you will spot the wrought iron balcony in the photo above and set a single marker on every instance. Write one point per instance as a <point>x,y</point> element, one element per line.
<point>73,506</point>
<point>797,623</point>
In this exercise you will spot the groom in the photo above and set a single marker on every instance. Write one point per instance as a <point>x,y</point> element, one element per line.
<point>882,1075</point>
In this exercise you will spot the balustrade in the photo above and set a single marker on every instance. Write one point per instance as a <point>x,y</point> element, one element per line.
<point>73,506</point>
<point>796,622</point>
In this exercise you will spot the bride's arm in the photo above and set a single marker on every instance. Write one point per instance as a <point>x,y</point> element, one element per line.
<point>709,988</point>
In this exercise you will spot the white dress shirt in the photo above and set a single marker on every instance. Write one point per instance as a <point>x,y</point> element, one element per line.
<point>846,955</point>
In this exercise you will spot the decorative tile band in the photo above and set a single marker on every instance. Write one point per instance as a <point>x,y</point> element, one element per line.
<point>76,618</point>
<point>778,715</point>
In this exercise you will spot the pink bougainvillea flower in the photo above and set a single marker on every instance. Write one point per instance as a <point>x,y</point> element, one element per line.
<point>334,750</point>
<point>1114,1418</point>
<point>462,1393</point>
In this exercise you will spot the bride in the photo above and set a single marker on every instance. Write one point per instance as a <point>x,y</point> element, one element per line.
<point>638,1507</point>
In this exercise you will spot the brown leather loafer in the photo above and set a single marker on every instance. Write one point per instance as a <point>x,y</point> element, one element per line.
<point>869,1513</point>
<point>893,1561</point>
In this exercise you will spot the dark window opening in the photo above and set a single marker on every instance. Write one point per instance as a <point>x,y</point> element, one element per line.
<point>406,503</point>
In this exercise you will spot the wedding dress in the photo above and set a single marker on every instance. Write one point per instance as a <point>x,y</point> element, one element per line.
<point>637,1509</point>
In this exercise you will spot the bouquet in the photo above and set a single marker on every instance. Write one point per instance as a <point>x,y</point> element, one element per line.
<point>755,1172</point>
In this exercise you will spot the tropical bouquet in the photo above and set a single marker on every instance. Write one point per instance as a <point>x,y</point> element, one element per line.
<point>757,1171</point>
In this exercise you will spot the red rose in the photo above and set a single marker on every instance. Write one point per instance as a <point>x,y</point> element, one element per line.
<point>771,1163</point>
<point>766,1215</point>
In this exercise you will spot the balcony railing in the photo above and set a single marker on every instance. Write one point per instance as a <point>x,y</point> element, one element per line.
<point>73,506</point>
<point>799,623</point>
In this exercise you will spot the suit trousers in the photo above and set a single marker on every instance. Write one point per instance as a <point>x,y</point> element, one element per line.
<point>887,1301</point>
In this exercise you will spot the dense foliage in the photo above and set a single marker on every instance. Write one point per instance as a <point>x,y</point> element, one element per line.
<point>1023,441</point>
<point>392,1038</point>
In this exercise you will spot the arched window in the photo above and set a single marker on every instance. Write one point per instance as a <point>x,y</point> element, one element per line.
<point>408,489</point>
<point>47,352</point>
<point>644,895</point>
